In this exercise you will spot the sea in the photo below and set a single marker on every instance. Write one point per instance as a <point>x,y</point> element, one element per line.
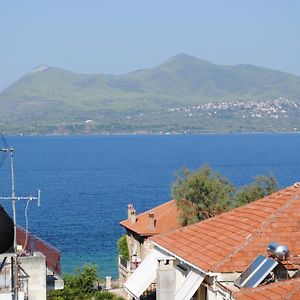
<point>86,182</point>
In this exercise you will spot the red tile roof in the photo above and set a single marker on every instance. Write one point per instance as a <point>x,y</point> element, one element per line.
<point>289,289</point>
<point>166,216</point>
<point>230,241</point>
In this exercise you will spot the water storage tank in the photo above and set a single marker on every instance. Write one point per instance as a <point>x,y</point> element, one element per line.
<point>281,252</point>
<point>6,231</point>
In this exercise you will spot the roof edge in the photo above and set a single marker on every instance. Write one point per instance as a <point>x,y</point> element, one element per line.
<point>148,211</point>
<point>178,257</point>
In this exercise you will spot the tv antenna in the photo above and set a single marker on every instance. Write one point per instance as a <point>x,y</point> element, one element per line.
<point>14,199</point>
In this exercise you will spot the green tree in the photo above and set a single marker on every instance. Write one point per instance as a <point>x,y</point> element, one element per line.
<point>205,193</point>
<point>202,194</point>
<point>261,187</point>
<point>123,247</point>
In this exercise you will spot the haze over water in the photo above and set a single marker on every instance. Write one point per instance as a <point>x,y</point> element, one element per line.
<point>87,181</point>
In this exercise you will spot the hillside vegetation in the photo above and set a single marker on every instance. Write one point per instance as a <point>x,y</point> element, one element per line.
<point>52,100</point>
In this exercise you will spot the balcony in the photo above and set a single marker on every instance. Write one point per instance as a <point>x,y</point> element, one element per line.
<point>130,266</point>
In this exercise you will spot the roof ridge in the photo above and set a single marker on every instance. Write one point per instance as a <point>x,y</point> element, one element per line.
<point>166,211</point>
<point>251,236</point>
<point>239,208</point>
<point>149,210</point>
<point>156,207</point>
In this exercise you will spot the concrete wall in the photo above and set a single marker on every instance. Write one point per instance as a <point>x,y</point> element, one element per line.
<point>35,267</point>
<point>180,275</point>
<point>146,247</point>
<point>217,293</point>
<point>7,296</point>
<point>166,280</point>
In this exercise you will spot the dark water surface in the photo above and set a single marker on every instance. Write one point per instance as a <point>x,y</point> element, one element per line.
<point>87,181</point>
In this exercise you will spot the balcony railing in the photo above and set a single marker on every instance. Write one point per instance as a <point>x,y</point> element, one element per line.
<point>128,265</point>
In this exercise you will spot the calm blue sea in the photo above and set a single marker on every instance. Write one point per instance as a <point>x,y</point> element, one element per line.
<point>87,181</point>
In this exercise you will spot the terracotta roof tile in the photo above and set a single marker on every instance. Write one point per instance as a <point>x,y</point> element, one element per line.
<point>166,216</point>
<point>289,289</point>
<point>230,241</point>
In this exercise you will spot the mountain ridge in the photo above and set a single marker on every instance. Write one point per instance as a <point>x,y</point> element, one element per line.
<point>48,95</point>
<point>178,57</point>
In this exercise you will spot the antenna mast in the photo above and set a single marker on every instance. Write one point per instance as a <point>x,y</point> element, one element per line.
<point>13,198</point>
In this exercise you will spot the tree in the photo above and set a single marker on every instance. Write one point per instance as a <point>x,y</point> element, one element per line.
<point>261,187</point>
<point>205,193</point>
<point>202,194</point>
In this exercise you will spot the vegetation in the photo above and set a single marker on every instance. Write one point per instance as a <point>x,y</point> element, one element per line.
<point>206,193</point>
<point>123,247</point>
<point>202,195</point>
<point>81,286</point>
<point>53,100</point>
<point>261,187</point>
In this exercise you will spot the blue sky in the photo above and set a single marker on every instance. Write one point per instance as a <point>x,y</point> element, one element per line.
<point>94,36</point>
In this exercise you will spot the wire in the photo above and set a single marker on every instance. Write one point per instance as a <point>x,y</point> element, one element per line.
<point>26,227</point>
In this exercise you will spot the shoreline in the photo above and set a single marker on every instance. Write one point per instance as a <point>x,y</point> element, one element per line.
<point>157,134</point>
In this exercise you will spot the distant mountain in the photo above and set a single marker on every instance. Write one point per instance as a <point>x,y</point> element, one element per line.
<point>53,100</point>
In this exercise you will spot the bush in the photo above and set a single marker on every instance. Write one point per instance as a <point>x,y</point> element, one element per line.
<point>81,286</point>
<point>123,247</point>
<point>104,296</point>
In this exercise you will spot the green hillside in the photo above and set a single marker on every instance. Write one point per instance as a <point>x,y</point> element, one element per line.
<point>51,100</point>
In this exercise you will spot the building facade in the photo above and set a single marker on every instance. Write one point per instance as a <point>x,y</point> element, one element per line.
<point>31,271</point>
<point>139,228</point>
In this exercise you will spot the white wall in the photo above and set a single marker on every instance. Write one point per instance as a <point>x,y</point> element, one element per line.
<point>35,267</point>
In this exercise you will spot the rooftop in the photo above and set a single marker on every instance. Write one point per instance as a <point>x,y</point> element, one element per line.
<point>164,219</point>
<point>289,289</point>
<point>230,241</point>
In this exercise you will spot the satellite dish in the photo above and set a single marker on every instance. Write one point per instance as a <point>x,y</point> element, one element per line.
<point>6,231</point>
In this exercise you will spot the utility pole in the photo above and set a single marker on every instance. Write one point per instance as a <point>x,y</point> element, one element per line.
<point>13,198</point>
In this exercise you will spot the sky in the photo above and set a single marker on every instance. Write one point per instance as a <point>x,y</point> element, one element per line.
<point>116,37</point>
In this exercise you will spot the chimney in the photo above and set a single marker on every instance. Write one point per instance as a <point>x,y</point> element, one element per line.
<point>152,221</point>
<point>130,207</point>
<point>131,214</point>
<point>166,279</point>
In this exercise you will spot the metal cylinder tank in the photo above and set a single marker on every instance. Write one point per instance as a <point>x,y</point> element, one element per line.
<point>6,231</point>
<point>281,252</point>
